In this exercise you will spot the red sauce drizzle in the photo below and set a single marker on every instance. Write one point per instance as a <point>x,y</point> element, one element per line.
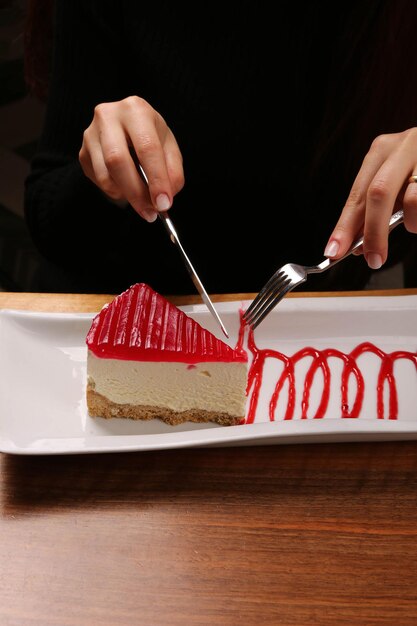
<point>320,362</point>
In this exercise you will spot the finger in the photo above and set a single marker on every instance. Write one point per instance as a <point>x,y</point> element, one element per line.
<point>86,164</point>
<point>352,217</point>
<point>398,204</point>
<point>410,206</point>
<point>174,163</point>
<point>381,198</point>
<point>149,150</point>
<point>122,170</point>
<point>92,161</point>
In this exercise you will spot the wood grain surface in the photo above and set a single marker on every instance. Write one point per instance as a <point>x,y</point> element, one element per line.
<point>72,302</point>
<point>287,535</point>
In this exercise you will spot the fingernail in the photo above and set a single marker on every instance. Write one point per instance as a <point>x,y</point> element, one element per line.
<point>149,215</point>
<point>374,260</point>
<point>162,202</point>
<point>332,248</point>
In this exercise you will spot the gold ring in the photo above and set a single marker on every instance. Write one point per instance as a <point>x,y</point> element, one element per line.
<point>413,179</point>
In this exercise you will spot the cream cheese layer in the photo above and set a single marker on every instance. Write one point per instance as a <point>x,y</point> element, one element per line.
<point>212,386</point>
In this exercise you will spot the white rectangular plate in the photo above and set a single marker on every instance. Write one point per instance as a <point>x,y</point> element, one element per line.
<point>43,377</point>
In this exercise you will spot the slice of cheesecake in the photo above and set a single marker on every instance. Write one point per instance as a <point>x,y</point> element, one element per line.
<point>147,359</point>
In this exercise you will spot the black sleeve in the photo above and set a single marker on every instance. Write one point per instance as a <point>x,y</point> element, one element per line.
<point>66,213</point>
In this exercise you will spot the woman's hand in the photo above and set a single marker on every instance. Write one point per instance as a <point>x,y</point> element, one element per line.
<point>132,124</point>
<point>380,187</point>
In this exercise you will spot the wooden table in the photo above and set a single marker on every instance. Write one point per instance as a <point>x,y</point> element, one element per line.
<point>318,534</point>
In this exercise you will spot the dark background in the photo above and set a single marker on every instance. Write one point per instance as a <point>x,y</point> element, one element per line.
<point>21,116</point>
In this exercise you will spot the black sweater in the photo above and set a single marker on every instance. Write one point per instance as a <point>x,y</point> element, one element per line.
<point>269,115</point>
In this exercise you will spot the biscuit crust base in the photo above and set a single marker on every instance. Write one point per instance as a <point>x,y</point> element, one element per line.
<point>99,406</point>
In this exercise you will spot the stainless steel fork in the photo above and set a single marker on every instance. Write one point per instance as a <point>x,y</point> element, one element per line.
<point>289,276</point>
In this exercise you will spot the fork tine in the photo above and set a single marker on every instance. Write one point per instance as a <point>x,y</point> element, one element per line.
<point>272,302</point>
<point>272,297</point>
<point>263,294</point>
<point>269,297</point>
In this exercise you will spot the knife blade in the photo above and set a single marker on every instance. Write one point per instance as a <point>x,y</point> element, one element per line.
<point>193,274</point>
<point>170,228</point>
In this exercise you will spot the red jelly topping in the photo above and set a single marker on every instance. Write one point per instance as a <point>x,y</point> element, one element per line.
<point>141,325</point>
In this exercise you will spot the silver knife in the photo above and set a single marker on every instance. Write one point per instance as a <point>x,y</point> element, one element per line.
<point>163,215</point>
